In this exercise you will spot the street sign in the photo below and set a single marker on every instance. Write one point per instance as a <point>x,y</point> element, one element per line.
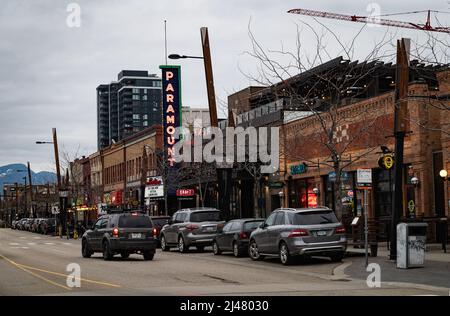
<point>63,194</point>
<point>55,210</point>
<point>344,176</point>
<point>386,161</point>
<point>364,178</point>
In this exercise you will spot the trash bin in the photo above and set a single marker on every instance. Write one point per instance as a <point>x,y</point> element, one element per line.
<point>411,240</point>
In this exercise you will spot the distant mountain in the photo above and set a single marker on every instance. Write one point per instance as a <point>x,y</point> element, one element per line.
<point>12,174</point>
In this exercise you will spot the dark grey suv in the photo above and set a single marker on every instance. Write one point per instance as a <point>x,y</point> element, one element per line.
<point>299,232</point>
<point>120,233</point>
<point>191,227</point>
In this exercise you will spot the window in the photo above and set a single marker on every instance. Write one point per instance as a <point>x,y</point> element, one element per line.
<point>145,123</point>
<point>279,220</point>
<point>198,217</point>
<point>145,116</point>
<point>181,217</point>
<point>98,224</point>
<point>136,116</point>
<point>144,97</point>
<point>236,226</point>
<point>252,225</point>
<point>271,219</point>
<point>103,223</point>
<point>227,227</point>
<point>135,221</point>
<point>136,97</point>
<point>135,90</point>
<point>314,218</point>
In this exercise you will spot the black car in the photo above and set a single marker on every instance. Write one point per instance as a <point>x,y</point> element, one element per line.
<point>120,233</point>
<point>235,235</point>
<point>158,222</point>
<point>47,226</point>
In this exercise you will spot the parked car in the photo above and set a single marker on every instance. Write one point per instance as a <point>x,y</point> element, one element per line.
<point>158,222</point>
<point>20,225</point>
<point>27,224</point>
<point>47,226</point>
<point>299,232</point>
<point>34,227</point>
<point>191,227</point>
<point>121,233</point>
<point>13,224</point>
<point>2,224</point>
<point>234,236</point>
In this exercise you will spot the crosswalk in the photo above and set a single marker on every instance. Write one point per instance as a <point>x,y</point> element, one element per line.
<point>37,242</point>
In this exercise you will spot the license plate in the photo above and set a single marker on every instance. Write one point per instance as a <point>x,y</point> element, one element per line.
<point>321,233</point>
<point>210,229</point>
<point>136,236</point>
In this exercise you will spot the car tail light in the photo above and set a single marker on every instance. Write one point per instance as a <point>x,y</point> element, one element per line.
<point>191,227</point>
<point>298,233</point>
<point>134,214</point>
<point>155,232</point>
<point>243,235</point>
<point>340,230</point>
<point>115,232</point>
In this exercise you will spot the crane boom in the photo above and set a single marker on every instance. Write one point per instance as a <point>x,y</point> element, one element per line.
<point>372,20</point>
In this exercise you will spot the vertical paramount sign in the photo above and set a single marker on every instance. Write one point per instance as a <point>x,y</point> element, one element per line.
<point>171,88</point>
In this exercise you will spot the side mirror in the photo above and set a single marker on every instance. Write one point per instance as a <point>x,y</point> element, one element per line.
<point>170,221</point>
<point>263,225</point>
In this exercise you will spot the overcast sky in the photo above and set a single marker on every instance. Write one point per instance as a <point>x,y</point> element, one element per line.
<point>50,71</point>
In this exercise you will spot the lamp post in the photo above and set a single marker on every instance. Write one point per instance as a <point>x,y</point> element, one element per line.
<point>223,174</point>
<point>62,204</point>
<point>444,176</point>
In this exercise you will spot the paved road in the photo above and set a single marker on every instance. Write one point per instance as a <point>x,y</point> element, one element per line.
<point>32,264</point>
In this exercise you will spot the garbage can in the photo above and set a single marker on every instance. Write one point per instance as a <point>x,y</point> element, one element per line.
<point>411,240</point>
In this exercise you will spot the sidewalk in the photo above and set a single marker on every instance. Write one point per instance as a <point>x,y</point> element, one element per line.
<point>436,270</point>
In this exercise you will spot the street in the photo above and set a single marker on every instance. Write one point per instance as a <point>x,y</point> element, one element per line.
<point>32,264</point>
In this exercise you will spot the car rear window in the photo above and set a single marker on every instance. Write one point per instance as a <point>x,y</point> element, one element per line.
<point>134,222</point>
<point>197,217</point>
<point>314,218</point>
<point>252,225</point>
<point>160,222</point>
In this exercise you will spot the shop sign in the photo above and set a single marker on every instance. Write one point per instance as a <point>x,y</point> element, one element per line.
<point>364,178</point>
<point>386,161</point>
<point>185,192</point>
<point>116,198</point>
<point>345,176</point>
<point>154,187</point>
<point>299,169</point>
<point>171,86</point>
<point>276,185</point>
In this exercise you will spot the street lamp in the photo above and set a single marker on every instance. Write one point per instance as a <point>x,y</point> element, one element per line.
<point>177,56</point>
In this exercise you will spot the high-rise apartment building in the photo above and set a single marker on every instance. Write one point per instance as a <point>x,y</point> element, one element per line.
<point>127,106</point>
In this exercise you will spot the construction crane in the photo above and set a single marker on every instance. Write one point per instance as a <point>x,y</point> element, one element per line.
<point>375,20</point>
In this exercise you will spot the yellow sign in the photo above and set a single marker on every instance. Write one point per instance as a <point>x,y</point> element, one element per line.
<point>411,206</point>
<point>386,162</point>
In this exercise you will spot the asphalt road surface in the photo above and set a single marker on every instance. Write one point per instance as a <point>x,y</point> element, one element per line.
<point>33,264</point>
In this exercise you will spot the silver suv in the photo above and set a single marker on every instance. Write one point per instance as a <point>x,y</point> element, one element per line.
<point>191,227</point>
<point>292,232</point>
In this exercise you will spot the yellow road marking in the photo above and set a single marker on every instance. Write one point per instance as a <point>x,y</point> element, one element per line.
<point>36,275</point>
<point>64,275</point>
<point>27,268</point>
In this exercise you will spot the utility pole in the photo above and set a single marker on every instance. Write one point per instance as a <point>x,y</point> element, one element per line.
<point>31,189</point>
<point>223,174</point>
<point>401,106</point>
<point>62,204</point>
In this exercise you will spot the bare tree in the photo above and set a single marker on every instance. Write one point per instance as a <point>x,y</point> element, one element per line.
<point>317,86</point>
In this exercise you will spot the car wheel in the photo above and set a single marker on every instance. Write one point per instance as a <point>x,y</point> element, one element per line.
<point>85,249</point>
<point>107,255</point>
<point>148,255</point>
<point>182,245</point>
<point>125,255</point>
<point>285,256</point>
<point>254,252</point>
<point>236,251</point>
<point>337,257</point>
<point>200,248</point>
<point>164,246</point>
<point>216,249</point>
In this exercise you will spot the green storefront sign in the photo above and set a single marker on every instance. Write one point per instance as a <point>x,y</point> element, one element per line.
<point>298,169</point>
